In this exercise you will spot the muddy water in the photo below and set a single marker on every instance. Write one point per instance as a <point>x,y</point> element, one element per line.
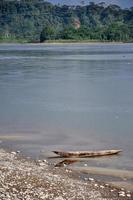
<point>68,97</point>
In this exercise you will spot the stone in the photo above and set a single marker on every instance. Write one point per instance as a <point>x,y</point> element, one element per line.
<point>13,153</point>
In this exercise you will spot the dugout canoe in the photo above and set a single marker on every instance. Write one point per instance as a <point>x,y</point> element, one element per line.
<point>85,154</point>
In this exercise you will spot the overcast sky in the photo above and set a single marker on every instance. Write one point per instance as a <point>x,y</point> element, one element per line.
<point>122,3</point>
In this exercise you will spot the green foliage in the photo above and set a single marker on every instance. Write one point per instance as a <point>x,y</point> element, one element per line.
<point>48,33</point>
<point>37,20</point>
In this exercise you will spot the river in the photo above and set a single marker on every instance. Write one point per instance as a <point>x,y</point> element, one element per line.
<point>68,96</point>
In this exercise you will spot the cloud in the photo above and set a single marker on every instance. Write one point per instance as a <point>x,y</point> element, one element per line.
<point>122,3</point>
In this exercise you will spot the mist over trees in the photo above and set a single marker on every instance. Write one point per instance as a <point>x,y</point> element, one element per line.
<point>37,20</point>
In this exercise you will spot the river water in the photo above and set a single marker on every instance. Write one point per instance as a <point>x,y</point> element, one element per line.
<point>70,97</point>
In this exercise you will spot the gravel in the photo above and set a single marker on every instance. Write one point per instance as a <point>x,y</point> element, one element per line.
<point>24,179</point>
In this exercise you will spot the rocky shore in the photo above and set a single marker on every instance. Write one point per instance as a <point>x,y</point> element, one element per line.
<point>25,179</point>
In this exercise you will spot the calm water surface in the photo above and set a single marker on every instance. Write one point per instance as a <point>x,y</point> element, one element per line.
<point>68,97</point>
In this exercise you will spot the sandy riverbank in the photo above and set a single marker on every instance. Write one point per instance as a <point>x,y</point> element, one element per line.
<point>64,42</point>
<point>36,180</point>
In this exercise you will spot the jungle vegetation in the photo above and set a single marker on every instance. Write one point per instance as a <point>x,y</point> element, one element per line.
<point>38,21</point>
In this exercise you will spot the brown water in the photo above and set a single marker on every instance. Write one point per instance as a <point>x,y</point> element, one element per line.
<point>68,97</point>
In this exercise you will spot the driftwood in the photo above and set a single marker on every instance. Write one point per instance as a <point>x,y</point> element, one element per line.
<point>85,154</point>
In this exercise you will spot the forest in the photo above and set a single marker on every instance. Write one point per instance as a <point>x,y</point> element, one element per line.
<point>40,21</point>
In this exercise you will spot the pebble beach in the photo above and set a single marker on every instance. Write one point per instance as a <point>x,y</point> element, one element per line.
<point>25,179</point>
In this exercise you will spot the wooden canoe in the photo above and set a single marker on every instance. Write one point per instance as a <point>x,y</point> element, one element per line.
<point>84,154</point>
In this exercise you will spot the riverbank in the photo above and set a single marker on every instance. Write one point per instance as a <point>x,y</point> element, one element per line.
<point>22,178</point>
<point>62,42</point>
<point>79,42</point>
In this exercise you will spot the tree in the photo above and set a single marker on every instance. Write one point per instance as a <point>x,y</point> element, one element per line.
<point>47,33</point>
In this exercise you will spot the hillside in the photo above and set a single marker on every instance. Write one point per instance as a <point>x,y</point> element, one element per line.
<point>35,20</point>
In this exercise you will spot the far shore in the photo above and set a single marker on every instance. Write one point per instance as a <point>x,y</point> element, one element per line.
<point>60,42</point>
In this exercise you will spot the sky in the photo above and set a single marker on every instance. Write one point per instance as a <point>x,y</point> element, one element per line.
<point>122,3</point>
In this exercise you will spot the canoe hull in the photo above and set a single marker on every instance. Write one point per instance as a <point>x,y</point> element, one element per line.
<point>84,154</point>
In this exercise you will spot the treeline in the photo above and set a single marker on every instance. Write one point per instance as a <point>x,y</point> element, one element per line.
<point>37,20</point>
